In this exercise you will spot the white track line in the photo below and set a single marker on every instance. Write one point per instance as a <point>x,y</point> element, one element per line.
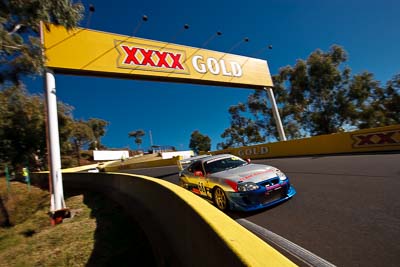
<point>295,250</point>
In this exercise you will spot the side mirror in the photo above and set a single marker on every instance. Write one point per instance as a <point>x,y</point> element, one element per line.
<point>198,173</point>
<point>248,160</point>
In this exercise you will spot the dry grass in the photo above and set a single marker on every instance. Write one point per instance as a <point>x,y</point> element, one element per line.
<point>98,234</point>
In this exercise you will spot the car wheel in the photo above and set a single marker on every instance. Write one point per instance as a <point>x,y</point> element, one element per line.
<point>219,198</point>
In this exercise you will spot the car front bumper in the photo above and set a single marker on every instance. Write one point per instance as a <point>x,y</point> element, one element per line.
<point>260,198</point>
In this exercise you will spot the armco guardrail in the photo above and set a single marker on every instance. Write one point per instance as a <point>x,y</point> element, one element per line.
<point>184,230</point>
<point>368,140</point>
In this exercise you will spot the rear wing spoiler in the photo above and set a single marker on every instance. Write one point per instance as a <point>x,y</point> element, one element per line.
<point>186,162</point>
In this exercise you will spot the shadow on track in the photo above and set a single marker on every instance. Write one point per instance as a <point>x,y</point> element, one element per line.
<point>166,175</point>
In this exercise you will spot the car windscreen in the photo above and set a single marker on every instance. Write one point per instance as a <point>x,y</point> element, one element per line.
<point>218,165</point>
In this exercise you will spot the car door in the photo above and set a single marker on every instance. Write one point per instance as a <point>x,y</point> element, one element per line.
<point>198,178</point>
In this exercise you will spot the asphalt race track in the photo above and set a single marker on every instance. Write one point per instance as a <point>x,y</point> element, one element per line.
<point>346,211</point>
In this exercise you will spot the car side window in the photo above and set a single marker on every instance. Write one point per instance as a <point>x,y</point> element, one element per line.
<point>196,167</point>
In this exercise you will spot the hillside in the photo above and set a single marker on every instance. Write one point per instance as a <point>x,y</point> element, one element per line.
<point>98,234</point>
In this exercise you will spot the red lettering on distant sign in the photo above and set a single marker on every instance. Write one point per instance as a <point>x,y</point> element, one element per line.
<point>147,60</point>
<point>162,59</point>
<point>377,139</point>
<point>130,55</point>
<point>386,138</point>
<point>366,139</point>
<point>152,58</point>
<point>176,64</point>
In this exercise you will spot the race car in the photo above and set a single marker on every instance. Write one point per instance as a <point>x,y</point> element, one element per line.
<point>233,183</point>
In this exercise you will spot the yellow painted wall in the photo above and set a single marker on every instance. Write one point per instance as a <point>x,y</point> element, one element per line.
<point>367,140</point>
<point>180,225</point>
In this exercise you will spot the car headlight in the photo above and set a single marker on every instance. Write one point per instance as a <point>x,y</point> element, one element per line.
<point>244,187</point>
<point>281,175</point>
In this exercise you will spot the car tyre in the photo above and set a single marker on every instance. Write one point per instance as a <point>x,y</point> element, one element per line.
<point>219,198</point>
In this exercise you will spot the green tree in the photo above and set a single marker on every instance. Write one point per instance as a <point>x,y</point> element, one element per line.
<point>22,127</point>
<point>20,48</point>
<point>98,127</point>
<point>81,135</point>
<point>312,98</point>
<point>372,105</point>
<point>315,96</point>
<point>243,131</point>
<point>21,55</point>
<point>317,92</point>
<point>199,142</point>
<point>365,95</point>
<point>392,100</point>
<point>138,134</point>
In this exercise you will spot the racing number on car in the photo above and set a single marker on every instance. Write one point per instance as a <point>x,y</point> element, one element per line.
<point>202,188</point>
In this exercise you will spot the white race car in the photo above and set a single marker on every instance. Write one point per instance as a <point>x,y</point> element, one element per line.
<point>233,183</point>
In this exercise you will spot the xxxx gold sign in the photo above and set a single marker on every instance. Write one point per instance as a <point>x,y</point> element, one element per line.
<point>87,52</point>
<point>377,139</point>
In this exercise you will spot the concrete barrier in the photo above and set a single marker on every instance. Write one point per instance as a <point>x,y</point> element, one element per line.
<point>184,229</point>
<point>362,141</point>
<point>137,165</point>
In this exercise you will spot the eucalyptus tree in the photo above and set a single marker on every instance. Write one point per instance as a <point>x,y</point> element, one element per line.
<point>22,127</point>
<point>316,96</point>
<point>392,100</point>
<point>317,91</point>
<point>365,96</point>
<point>312,98</point>
<point>22,122</point>
<point>20,47</point>
<point>243,131</point>
<point>98,127</point>
<point>81,136</point>
<point>137,134</point>
<point>199,142</point>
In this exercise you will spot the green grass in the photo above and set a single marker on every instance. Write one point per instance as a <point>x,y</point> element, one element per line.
<point>98,234</point>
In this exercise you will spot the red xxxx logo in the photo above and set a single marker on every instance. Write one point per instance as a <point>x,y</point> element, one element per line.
<point>134,56</point>
<point>376,139</point>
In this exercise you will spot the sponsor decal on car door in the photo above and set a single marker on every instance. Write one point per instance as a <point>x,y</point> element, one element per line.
<point>202,185</point>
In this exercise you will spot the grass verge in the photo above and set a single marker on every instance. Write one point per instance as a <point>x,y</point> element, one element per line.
<point>98,234</point>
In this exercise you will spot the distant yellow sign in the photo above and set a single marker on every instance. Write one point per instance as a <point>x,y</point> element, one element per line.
<point>88,52</point>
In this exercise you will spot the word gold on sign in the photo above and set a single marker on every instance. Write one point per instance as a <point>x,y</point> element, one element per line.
<point>216,67</point>
<point>253,151</point>
<point>386,138</point>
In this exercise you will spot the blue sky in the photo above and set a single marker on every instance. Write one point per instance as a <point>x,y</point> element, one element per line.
<point>368,31</point>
